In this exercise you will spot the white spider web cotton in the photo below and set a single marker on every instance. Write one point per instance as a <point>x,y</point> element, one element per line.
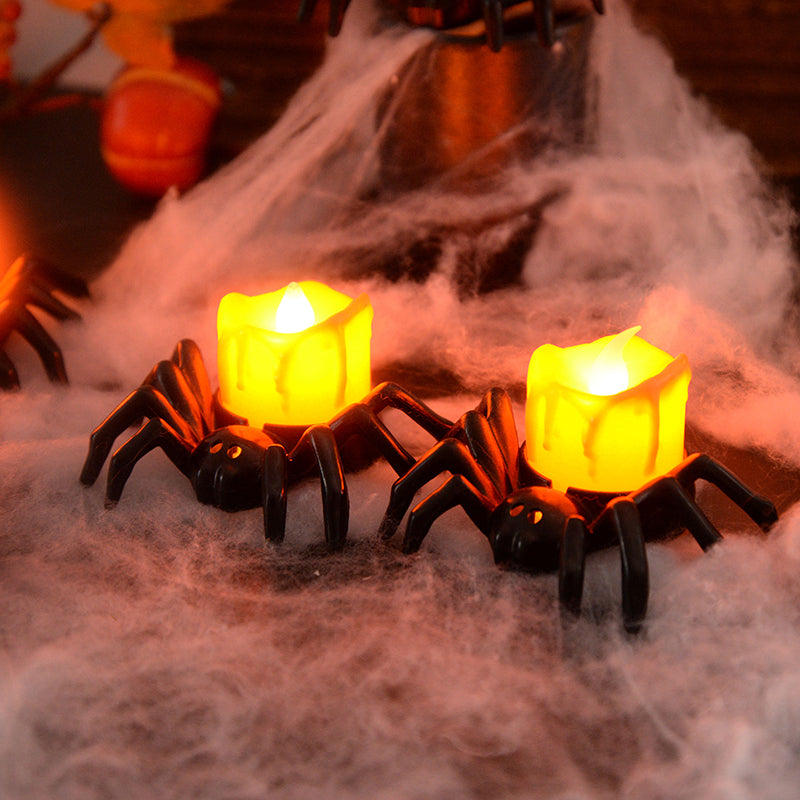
<point>160,650</point>
<point>662,197</point>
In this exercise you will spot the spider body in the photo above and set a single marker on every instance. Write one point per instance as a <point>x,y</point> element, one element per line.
<point>526,528</point>
<point>533,527</point>
<point>225,467</point>
<point>236,467</point>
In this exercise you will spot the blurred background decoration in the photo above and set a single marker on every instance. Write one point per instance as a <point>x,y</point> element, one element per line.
<point>741,55</point>
<point>140,31</point>
<point>9,13</point>
<point>157,113</point>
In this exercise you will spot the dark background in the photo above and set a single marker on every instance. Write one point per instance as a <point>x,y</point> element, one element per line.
<point>743,55</point>
<point>56,198</point>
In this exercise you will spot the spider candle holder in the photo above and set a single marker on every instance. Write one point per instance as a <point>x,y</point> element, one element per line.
<point>604,466</point>
<point>235,467</point>
<point>533,526</point>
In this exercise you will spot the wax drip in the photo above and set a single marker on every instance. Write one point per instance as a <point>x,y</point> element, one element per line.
<point>288,356</point>
<point>285,347</point>
<point>649,390</point>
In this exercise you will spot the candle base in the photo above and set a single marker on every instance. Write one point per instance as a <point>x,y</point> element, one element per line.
<point>223,417</point>
<point>356,453</point>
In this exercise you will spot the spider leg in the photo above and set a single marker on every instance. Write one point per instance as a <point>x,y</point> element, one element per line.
<point>482,442</point>
<point>545,21</point>
<point>335,501</point>
<point>168,379</point>
<point>359,420</point>
<point>493,20</point>
<point>146,401</point>
<point>449,455</point>
<point>362,419</point>
<point>496,407</point>
<point>30,281</point>
<point>667,495</point>
<point>52,277</point>
<point>275,480</point>
<point>8,373</point>
<point>622,514</point>
<point>390,395</point>
<point>306,10</point>
<point>455,491</point>
<point>336,16</point>
<point>189,360</point>
<point>154,433</point>
<point>45,346</point>
<point>572,564</point>
<point>700,466</point>
<point>40,297</point>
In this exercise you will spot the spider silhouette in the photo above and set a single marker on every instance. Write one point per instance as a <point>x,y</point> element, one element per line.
<point>235,467</point>
<point>29,282</point>
<point>536,528</point>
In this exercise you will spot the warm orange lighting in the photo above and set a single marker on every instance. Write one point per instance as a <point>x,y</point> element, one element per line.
<point>609,372</point>
<point>605,416</point>
<point>296,356</point>
<point>294,312</point>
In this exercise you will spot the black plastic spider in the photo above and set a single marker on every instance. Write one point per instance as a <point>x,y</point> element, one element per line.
<point>29,282</point>
<point>536,528</point>
<point>235,467</point>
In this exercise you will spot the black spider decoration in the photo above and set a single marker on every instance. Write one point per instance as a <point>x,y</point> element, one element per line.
<point>235,467</point>
<point>455,13</point>
<point>536,528</point>
<point>29,282</point>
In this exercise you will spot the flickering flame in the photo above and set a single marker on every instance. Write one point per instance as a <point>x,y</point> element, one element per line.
<point>609,374</point>
<point>295,313</point>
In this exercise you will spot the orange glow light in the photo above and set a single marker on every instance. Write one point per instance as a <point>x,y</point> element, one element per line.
<point>605,416</point>
<point>296,356</point>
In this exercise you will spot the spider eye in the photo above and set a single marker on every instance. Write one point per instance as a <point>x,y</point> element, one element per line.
<point>535,516</point>
<point>516,510</point>
<point>215,448</point>
<point>234,451</point>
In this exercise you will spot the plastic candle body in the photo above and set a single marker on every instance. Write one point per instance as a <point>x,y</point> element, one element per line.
<point>585,438</point>
<point>297,362</point>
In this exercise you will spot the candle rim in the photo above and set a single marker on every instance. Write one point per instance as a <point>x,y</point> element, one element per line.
<point>541,372</point>
<point>355,306</point>
<point>671,371</point>
<point>669,374</point>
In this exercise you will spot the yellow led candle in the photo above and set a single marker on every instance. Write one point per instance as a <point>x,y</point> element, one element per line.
<point>296,356</point>
<point>605,416</point>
